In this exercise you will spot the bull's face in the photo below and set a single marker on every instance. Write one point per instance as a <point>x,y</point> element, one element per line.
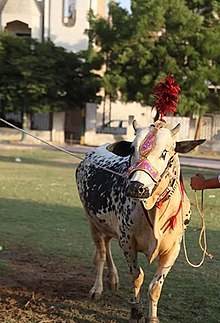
<point>153,151</point>
<point>151,154</point>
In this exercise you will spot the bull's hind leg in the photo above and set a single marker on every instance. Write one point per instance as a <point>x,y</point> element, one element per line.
<point>165,263</point>
<point>99,261</point>
<point>102,254</point>
<point>112,270</point>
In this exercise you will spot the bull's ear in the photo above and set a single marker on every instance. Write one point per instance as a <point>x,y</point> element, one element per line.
<point>135,125</point>
<point>121,148</point>
<point>188,145</point>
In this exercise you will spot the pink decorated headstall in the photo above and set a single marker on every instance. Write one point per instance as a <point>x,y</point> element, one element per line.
<point>148,143</point>
<point>145,148</point>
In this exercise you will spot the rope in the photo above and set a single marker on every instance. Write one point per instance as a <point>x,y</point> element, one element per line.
<point>45,142</point>
<point>202,237</point>
<point>111,171</point>
<point>56,147</point>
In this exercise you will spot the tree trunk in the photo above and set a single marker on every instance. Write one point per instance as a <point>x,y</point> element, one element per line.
<point>104,108</point>
<point>110,108</point>
<point>199,127</point>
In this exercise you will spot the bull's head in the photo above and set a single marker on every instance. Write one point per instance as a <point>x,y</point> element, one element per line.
<point>151,154</point>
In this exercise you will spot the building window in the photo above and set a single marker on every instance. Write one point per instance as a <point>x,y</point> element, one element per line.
<point>18,28</point>
<point>69,13</point>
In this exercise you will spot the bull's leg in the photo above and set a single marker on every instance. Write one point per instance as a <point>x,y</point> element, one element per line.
<point>113,274</point>
<point>135,303</point>
<point>99,262</point>
<point>164,265</point>
<point>137,281</point>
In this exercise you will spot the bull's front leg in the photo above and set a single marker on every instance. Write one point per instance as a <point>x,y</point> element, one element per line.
<point>137,275</point>
<point>164,265</point>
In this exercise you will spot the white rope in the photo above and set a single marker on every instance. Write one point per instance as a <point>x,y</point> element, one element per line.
<point>55,146</point>
<point>112,171</point>
<point>45,142</point>
<point>202,236</point>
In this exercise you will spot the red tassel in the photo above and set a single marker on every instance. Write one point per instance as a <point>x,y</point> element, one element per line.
<point>166,94</point>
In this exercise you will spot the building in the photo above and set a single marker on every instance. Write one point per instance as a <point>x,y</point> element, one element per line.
<point>64,22</point>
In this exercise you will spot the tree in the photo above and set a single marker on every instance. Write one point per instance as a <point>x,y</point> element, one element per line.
<point>157,38</point>
<point>37,77</point>
<point>107,38</point>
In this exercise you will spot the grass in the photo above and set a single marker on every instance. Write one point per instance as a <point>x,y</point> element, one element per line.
<point>41,216</point>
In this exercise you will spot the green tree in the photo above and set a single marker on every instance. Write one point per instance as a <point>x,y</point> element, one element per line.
<point>37,77</point>
<point>157,38</point>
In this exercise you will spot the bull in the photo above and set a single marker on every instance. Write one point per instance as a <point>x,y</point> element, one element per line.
<point>134,192</point>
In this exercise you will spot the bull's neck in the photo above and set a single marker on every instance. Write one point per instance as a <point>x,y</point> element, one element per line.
<point>163,214</point>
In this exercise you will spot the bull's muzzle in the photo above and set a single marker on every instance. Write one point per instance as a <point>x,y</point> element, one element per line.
<point>137,190</point>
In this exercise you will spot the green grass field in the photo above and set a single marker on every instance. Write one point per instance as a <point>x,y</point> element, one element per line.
<point>46,266</point>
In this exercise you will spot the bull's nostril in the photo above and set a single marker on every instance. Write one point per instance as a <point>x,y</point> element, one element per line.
<point>137,190</point>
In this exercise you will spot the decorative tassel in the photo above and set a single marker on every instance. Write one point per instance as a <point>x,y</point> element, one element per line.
<point>166,94</point>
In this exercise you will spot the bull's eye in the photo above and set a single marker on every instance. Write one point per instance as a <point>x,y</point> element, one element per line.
<point>163,155</point>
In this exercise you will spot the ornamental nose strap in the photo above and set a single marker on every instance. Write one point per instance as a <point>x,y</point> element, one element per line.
<point>145,166</point>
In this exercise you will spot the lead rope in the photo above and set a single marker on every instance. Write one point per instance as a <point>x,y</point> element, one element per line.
<point>202,236</point>
<point>55,146</point>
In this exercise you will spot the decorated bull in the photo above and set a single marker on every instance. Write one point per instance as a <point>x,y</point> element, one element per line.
<point>133,191</point>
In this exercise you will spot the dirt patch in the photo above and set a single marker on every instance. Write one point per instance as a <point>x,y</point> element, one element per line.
<point>41,289</point>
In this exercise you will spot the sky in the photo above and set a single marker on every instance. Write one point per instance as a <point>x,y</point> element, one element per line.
<point>124,3</point>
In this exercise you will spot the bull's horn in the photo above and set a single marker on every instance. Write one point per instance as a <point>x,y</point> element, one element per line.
<point>135,125</point>
<point>175,130</point>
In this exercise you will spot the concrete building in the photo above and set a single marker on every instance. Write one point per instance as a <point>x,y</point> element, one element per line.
<point>64,22</point>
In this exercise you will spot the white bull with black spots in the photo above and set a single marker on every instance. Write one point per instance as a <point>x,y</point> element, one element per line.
<point>146,208</point>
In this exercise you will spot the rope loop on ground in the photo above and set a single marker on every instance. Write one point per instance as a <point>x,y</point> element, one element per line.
<point>202,236</point>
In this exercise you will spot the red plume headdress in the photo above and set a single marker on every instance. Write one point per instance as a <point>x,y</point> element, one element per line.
<point>166,94</point>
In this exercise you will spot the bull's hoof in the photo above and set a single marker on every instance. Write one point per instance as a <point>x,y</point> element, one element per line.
<point>114,287</point>
<point>152,319</point>
<point>95,294</point>
<point>136,313</point>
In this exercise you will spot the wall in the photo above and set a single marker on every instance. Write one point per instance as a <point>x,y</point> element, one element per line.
<point>58,127</point>
<point>57,134</point>
<point>73,38</point>
<point>143,115</point>
<point>13,135</point>
<point>184,132</point>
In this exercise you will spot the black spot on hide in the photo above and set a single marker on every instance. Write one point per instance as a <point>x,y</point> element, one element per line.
<point>186,222</point>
